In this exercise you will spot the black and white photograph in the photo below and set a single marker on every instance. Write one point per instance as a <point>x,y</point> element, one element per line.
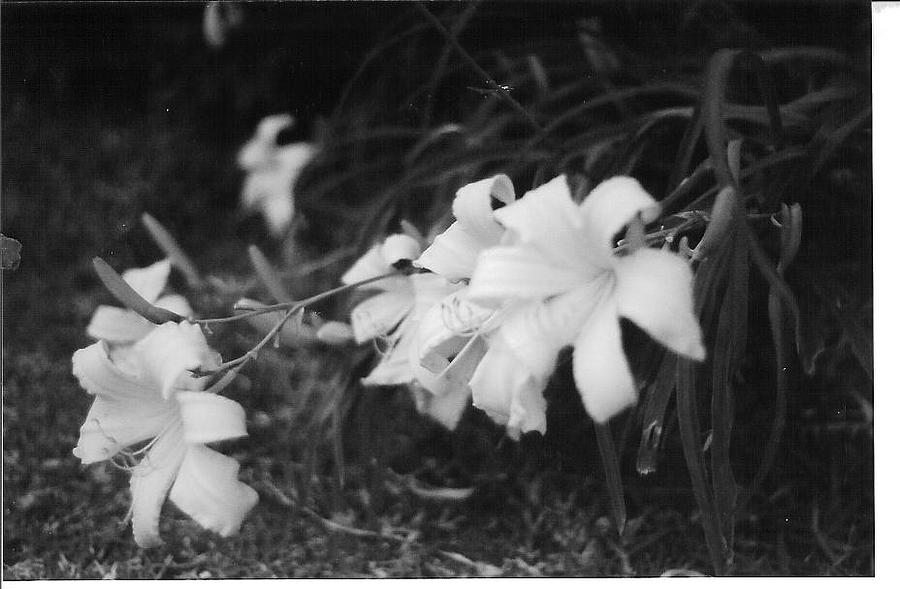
<point>433,289</point>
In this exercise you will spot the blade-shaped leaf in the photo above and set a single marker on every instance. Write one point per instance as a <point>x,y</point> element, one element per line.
<point>173,251</point>
<point>614,488</point>
<point>657,402</point>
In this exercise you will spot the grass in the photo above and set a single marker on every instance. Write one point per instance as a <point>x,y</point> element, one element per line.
<point>79,169</point>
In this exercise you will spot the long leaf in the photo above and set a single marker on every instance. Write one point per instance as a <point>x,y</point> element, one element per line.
<point>173,251</point>
<point>611,471</point>
<point>657,402</point>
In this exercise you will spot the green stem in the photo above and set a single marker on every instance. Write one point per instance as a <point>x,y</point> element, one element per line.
<point>304,303</point>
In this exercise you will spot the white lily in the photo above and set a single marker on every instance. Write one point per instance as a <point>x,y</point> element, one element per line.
<point>272,170</point>
<point>123,326</point>
<point>148,394</point>
<point>394,314</point>
<point>572,289</point>
<point>448,342</point>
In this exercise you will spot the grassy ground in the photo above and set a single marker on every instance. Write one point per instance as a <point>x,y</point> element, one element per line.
<point>77,174</point>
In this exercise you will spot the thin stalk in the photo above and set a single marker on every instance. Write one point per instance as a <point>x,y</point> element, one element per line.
<point>500,90</point>
<point>290,305</point>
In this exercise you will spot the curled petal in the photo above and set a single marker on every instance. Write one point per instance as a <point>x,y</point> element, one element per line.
<point>472,207</point>
<point>548,220</point>
<point>114,423</point>
<point>612,204</point>
<point>170,352</point>
<point>378,315</point>
<point>257,152</point>
<point>207,489</point>
<point>454,252</point>
<point>653,289</point>
<point>151,480</point>
<point>521,271</point>
<point>600,367</point>
<point>207,417</point>
<point>98,375</point>
<point>118,326</point>
<point>150,281</point>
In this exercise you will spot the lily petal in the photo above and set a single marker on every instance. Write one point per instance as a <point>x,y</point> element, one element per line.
<point>453,254</point>
<point>151,480</point>
<point>207,489</point>
<point>472,207</point>
<point>394,367</point>
<point>447,409</point>
<point>278,207</point>
<point>118,326</point>
<point>98,375</point>
<point>600,367</point>
<point>170,351</point>
<point>378,315</point>
<point>377,261</point>
<point>207,417</point>
<point>150,281</point>
<point>114,423</point>
<point>256,152</point>
<point>370,265</point>
<point>510,392</point>
<point>521,271</point>
<point>547,219</point>
<point>612,204</point>
<point>429,290</point>
<point>653,289</point>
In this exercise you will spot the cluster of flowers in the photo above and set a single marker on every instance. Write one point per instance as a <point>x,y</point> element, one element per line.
<point>478,316</point>
<point>512,282</point>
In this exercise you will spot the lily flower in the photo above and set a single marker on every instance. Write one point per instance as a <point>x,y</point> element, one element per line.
<point>148,394</point>
<point>571,288</point>
<point>272,170</point>
<point>123,326</point>
<point>448,342</point>
<point>392,316</point>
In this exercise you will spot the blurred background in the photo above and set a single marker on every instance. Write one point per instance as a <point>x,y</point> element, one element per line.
<point>111,110</point>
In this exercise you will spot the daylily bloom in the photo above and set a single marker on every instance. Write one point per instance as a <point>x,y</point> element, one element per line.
<point>571,288</point>
<point>148,394</point>
<point>393,315</point>
<point>448,343</point>
<point>124,326</point>
<point>272,170</point>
